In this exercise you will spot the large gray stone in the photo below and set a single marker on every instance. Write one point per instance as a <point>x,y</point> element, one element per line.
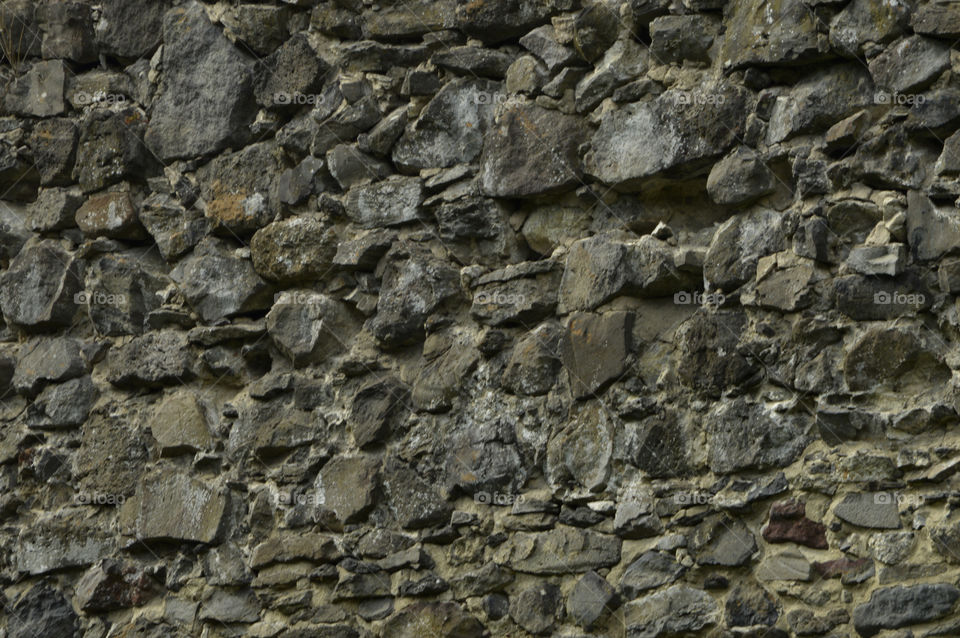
<point>902,606</point>
<point>748,436</point>
<point>674,611</point>
<point>206,99</point>
<point>777,33</point>
<point>240,189</point>
<point>870,509</point>
<point>559,551</point>
<point>38,92</point>
<point>737,246</point>
<point>863,26</point>
<point>48,361</point>
<point>295,249</point>
<point>310,327</point>
<point>176,506</point>
<point>153,360</point>
<point>129,29</point>
<point>37,290</point>
<point>42,611</point>
<point>594,350</point>
<point>677,129</point>
<point>387,203</point>
<point>910,64</point>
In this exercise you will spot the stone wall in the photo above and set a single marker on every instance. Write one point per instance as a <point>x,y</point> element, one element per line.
<point>463,318</point>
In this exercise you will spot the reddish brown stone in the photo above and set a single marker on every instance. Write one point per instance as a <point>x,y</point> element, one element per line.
<point>788,524</point>
<point>841,566</point>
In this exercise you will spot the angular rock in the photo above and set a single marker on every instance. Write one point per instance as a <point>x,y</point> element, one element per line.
<point>910,64</point>
<point>48,361</point>
<point>788,524</point>
<point>67,32</point>
<point>110,149</point>
<point>721,540</point>
<point>39,91</point>
<point>862,26</point>
<point>111,585</point>
<point>938,20</point>
<point>218,283</point>
<point>206,99</point>
<point>58,541</point>
<point>789,565</point>
<point>883,358</point>
<point>42,611</point>
<point>542,42</point>
<point>54,209</point>
<point>739,178</point>
<point>414,284</point>
<point>533,366</point>
<point>536,609</point>
<point>240,189</point>
<point>676,130</point>
<point>291,72</point>
<point>130,30</point>
<point>889,259</point>
<point>451,128</point>
<point>780,34</point>
<point>531,151</point>
<point>582,451</point>
<point>902,606</point>
<point>179,424</point>
<point>505,297</point>
<point>624,61</point>
<point>295,249</point>
<point>650,571</point>
<point>474,61</point>
<point>153,360</point>
<point>749,605</point>
<point>37,290</point>
<point>175,229</point>
<point>679,38</point>
<point>709,358</point>
<point>111,456</point>
<point>673,611</point>
<point>346,486</point>
<point>415,502</point>
<point>737,245</point>
<point>442,619</point>
<point>388,203</point>
<point>375,409</point>
<point>590,599</point>
<point>594,349</point>
<point>500,20</point>
<point>64,405</point>
<point>869,509</point>
<point>310,327</point>
<point>110,215</point>
<point>223,606</point>
<point>53,147</point>
<point>175,506</point>
<point>746,435</point>
<point>561,550</point>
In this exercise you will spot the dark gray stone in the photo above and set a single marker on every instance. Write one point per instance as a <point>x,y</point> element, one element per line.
<point>878,510</point>
<point>594,350</point>
<point>902,606</point>
<point>37,290</point>
<point>651,570</point>
<point>536,609</point>
<point>43,611</point>
<point>590,599</point>
<point>673,611</point>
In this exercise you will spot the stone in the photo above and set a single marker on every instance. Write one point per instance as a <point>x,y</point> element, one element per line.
<point>910,64</point>
<point>937,20</point>
<point>595,30</point>
<point>590,599</point>
<point>560,550</point>
<point>50,360</point>
<point>346,486</point>
<point>351,167</point>
<point>110,215</point>
<point>261,28</point>
<point>299,248</point>
<point>738,244</point>
<point>789,565</point>
<point>520,300</point>
<point>883,358</point>
<point>534,363</point>
<point>493,22</point>
<point>388,203</point>
<point>53,147</point>
<point>721,540</point>
<point>42,611</point>
<point>781,34</point>
<point>120,292</point>
<point>749,605</point>
<point>679,38</point>
<point>64,405</point>
<point>414,501</point>
<point>155,359</point>
<point>110,149</point>
<point>902,606</point>
<point>111,456</point>
<point>414,284</point>
<point>673,611</point>
<point>789,289</point>
<point>931,231</point>
<point>129,31</point>
<point>593,350</point>
<point>623,62</point>
<point>582,451</point>
<point>788,524</point>
<point>819,101</point>
<point>542,42</point>
<point>175,230</point>
<point>536,609</point>
<point>240,189</point>
<point>709,359</point>
<point>37,289</point>
<point>375,409</point>
<point>38,92</point>
<point>865,509</point>
<point>451,128</point>
<point>290,73</point>
<point>650,571</point>
<point>223,606</point>
<point>218,283</point>
<point>676,130</point>
<point>310,327</point>
<point>862,27</point>
<point>206,98</point>
<point>179,424</point>
<point>889,259</point>
<point>441,619</point>
<point>739,179</point>
<point>175,506</point>
<point>747,435</point>
<point>514,163</point>
<point>474,61</point>
<point>54,209</point>
<point>805,623</point>
<point>61,540</point>
<point>111,585</point>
